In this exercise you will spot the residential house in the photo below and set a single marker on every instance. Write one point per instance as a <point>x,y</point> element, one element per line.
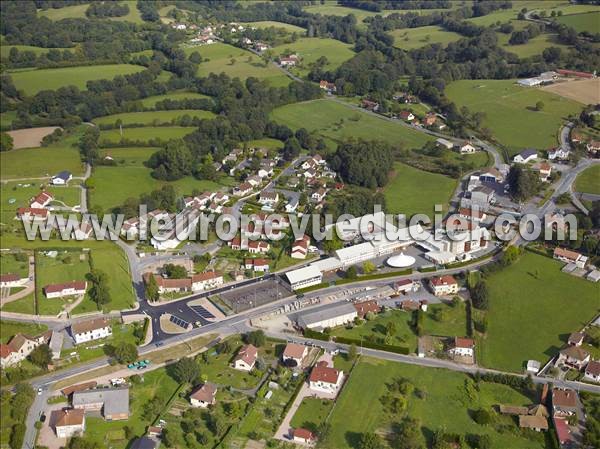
<point>91,330</point>
<point>300,248</point>
<point>574,356</point>
<point>268,197</point>
<point>246,358</point>
<point>68,422</point>
<point>204,395</point>
<point>463,347</point>
<point>73,288</point>
<point>362,308</point>
<point>325,379</point>
<point>592,371</point>
<point>564,402</point>
<point>294,354</point>
<point>576,339</point>
<point>525,156</point>
<point>407,116</point>
<point>41,200</point>
<point>10,280</point>
<point>466,148</point>
<point>62,178</point>
<point>444,143</point>
<point>569,256</point>
<point>304,436</point>
<point>32,214</point>
<point>443,285</point>
<point>113,403</point>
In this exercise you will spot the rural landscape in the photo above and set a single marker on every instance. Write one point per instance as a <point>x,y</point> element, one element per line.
<point>333,224</point>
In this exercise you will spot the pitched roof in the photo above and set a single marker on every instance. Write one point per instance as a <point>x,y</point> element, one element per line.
<point>69,417</point>
<point>247,354</point>
<point>324,374</point>
<point>533,422</point>
<point>205,393</point>
<point>87,326</point>
<point>294,350</point>
<point>564,398</point>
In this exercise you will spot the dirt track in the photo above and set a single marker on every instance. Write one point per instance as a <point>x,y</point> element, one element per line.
<point>30,137</point>
<point>585,91</point>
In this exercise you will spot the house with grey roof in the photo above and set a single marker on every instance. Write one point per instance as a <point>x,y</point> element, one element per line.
<point>113,403</point>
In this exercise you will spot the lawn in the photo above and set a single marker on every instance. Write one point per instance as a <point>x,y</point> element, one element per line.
<point>310,49</point>
<point>311,413</point>
<point>113,185</point>
<point>411,191</point>
<point>145,134</point>
<point>272,23</point>
<point>589,180</point>
<point>236,62</point>
<point>582,22</point>
<point>411,38</point>
<point>526,300</point>
<point>10,328</point>
<point>34,81</point>
<point>507,106</point>
<point>152,117</point>
<point>338,122</point>
<point>376,329</point>
<point>150,102</point>
<point>452,322</point>
<point>444,404</point>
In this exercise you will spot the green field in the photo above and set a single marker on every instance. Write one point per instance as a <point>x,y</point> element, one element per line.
<point>507,106</point>
<point>339,122</point>
<point>413,191</point>
<point>34,81</point>
<point>113,185</point>
<point>310,49</point>
<point>443,403</point>
<point>411,38</point>
<point>589,22</point>
<point>526,300</point>
<point>589,180</point>
<point>271,23</point>
<point>40,162</point>
<point>236,62</point>
<point>145,134</point>
<point>78,12</point>
<point>152,117</point>
<point>10,328</point>
<point>150,102</point>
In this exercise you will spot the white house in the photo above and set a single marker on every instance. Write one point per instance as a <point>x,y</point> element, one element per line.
<point>73,288</point>
<point>325,379</point>
<point>525,156</point>
<point>91,330</point>
<point>204,396</point>
<point>69,422</point>
<point>62,178</point>
<point>246,358</point>
<point>463,347</point>
<point>592,371</point>
<point>41,200</point>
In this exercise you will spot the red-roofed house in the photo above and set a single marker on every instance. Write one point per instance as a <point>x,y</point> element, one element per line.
<point>443,285</point>
<point>325,379</point>
<point>246,358</point>
<point>72,288</point>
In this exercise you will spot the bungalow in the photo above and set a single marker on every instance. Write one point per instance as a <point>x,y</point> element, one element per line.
<point>243,189</point>
<point>444,143</point>
<point>268,197</point>
<point>525,156</point>
<point>443,285</point>
<point>574,356</point>
<point>204,395</point>
<point>68,422</point>
<point>325,379</point>
<point>246,358</point>
<point>257,265</point>
<point>592,371</point>
<point>258,247</point>
<point>304,436</point>
<point>300,248</point>
<point>32,214</point>
<point>294,354</point>
<point>564,401</point>
<point>370,105</point>
<point>362,308</point>
<point>558,154</point>
<point>568,256</point>
<point>466,148</point>
<point>91,330</point>
<point>576,339</point>
<point>73,288</point>
<point>10,280</point>
<point>462,347</point>
<point>62,178</point>
<point>407,116</point>
<point>41,200</point>
<point>319,195</point>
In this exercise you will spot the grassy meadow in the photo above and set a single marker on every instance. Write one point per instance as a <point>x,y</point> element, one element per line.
<point>152,117</point>
<point>36,80</point>
<point>525,301</point>
<point>508,106</point>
